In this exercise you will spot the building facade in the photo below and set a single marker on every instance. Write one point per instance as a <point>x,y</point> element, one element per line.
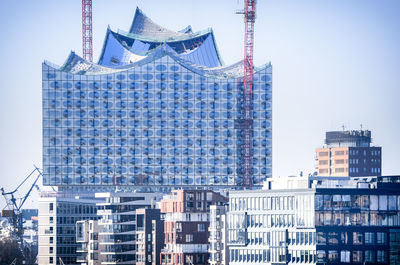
<point>58,214</point>
<point>186,222</point>
<point>159,110</point>
<point>149,236</point>
<point>218,229</point>
<point>274,226</point>
<point>314,220</point>
<point>87,235</point>
<point>358,223</point>
<point>119,226</point>
<point>349,153</point>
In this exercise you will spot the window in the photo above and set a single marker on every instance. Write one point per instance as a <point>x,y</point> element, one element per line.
<point>51,219</point>
<point>321,239</point>
<point>178,227</point>
<point>321,255</point>
<point>51,240</point>
<point>369,238</point>
<point>94,256</point>
<point>392,202</point>
<point>369,256</point>
<point>189,196</point>
<point>333,256</point>
<point>50,259</point>
<point>333,238</point>
<point>200,196</point>
<point>345,256</point>
<point>51,207</point>
<point>381,238</point>
<point>383,202</point>
<point>357,238</point>
<point>373,202</point>
<point>201,227</point>
<point>381,257</point>
<point>189,238</point>
<point>357,256</point>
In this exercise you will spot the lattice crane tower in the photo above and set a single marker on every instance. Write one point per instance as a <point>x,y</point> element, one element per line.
<point>87,42</point>
<point>249,13</point>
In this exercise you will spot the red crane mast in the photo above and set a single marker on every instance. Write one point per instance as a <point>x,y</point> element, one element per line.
<point>87,42</point>
<point>249,13</point>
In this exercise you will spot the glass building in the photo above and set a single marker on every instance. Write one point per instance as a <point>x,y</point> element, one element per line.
<point>159,109</point>
<point>316,220</point>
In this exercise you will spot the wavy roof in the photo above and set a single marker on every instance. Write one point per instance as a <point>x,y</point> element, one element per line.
<point>77,65</point>
<point>144,26</point>
<point>147,41</point>
<point>121,49</point>
<point>145,35</point>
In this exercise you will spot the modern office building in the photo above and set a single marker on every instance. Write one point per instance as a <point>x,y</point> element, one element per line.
<point>349,153</point>
<point>87,235</point>
<point>149,236</point>
<point>58,214</point>
<point>186,222</point>
<point>119,225</point>
<point>274,226</point>
<point>314,220</point>
<point>218,249</point>
<point>159,110</point>
<point>358,221</point>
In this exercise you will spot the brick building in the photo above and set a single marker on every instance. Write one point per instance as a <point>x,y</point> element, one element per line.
<point>186,222</point>
<point>349,153</point>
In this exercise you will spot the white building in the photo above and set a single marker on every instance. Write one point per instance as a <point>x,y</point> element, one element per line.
<point>273,225</point>
<point>119,224</point>
<point>58,214</point>
<point>218,229</point>
<point>87,234</point>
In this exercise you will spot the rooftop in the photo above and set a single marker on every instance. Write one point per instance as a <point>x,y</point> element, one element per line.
<point>146,42</point>
<point>358,138</point>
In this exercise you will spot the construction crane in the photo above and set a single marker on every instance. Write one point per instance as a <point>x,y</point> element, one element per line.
<point>246,122</point>
<point>14,212</point>
<point>87,40</point>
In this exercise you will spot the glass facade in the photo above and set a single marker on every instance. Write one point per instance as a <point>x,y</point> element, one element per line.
<point>357,227</point>
<point>158,110</point>
<point>154,124</point>
<point>271,227</point>
<point>317,221</point>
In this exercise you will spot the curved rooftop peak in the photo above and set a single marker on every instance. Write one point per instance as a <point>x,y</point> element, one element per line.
<point>188,30</point>
<point>142,25</point>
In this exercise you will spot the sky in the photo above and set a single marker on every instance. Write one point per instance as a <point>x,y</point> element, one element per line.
<point>335,63</point>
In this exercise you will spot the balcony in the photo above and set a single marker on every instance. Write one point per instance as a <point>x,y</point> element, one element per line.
<point>81,258</point>
<point>82,248</point>
<point>117,261</point>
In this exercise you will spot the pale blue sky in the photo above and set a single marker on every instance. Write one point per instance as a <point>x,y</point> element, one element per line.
<point>335,62</point>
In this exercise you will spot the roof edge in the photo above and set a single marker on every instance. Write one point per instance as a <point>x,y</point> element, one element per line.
<point>159,52</point>
<point>104,45</point>
<point>160,39</point>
